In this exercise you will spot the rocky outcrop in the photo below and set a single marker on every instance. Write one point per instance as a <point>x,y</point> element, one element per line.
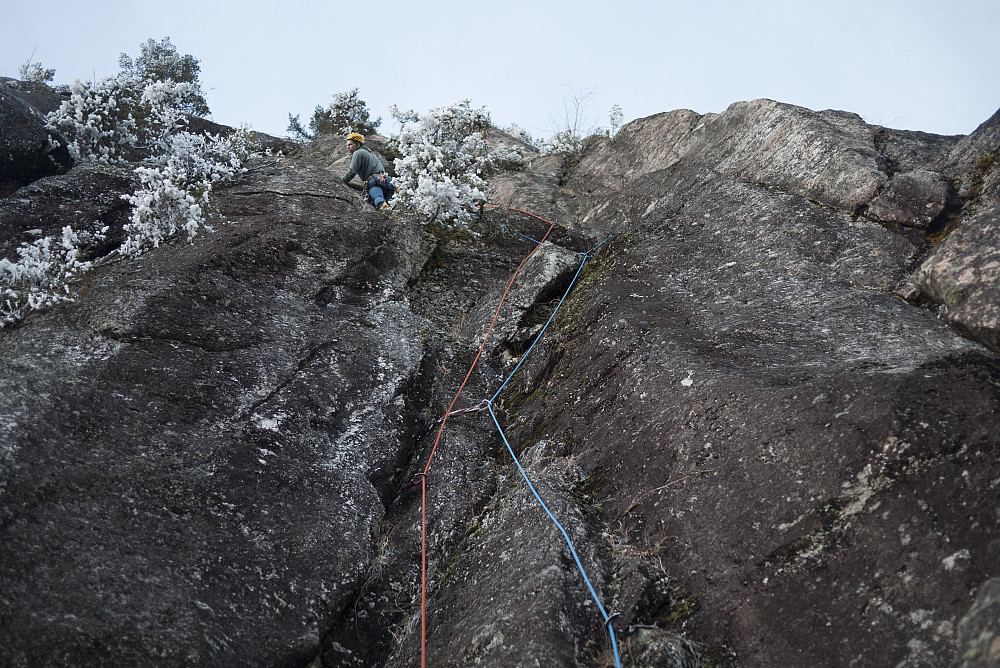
<point>964,275</point>
<point>87,197</point>
<point>743,342</point>
<point>829,157</point>
<point>963,155</point>
<point>548,273</point>
<point>963,271</point>
<point>25,154</point>
<point>763,455</point>
<point>916,198</point>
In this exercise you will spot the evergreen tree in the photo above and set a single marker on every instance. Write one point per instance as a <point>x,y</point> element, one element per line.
<point>160,61</point>
<point>346,114</point>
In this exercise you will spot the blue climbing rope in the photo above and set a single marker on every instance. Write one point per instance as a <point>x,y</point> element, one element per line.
<point>524,236</point>
<point>569,543</point>
<point>606,240</point>
<point>489,406</point>
<point>586,256</point>
<point>539,337</point>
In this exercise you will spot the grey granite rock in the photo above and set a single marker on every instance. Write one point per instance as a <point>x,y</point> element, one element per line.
<point>25,153</point>
<point>979,630</point>
<point>763,455</point>
<point>914,198</point>
<point>204,439</point>
<point>963,271</point>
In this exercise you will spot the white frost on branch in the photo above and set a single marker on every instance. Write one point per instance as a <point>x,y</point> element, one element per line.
<point>42,274</point>
<point>98,123</point>
<point>95,122</point>
<point>445,161</point>
<point>174,192</point>
<point>101,120</point>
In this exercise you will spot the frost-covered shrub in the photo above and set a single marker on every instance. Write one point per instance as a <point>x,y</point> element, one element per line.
<point>35,73</point>
<point>615,117</point>
<point>347,113</point>
<point>138,108</point>
<point>162,105</point>
<point>445,161</point>
<point>175,192</point>
<point>507,157</point>
<point>174,196</point>
<point>563,142</point>
<point>42,274</point>
<point>519,133</point>
<point>96,122</point>
<point>101,120</point>
<point>573,131</point>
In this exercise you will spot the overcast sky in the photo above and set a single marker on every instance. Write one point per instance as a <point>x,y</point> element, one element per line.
<point>911,64</point>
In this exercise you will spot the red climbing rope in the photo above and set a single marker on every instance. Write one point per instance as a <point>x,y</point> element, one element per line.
<point>423,476</point>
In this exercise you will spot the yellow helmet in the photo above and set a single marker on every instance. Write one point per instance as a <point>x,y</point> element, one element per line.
<point>354,136</point>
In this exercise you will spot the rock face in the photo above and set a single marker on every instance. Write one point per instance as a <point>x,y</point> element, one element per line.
<point>762,454</point>
<point>25,154</point>
<point>979,631</point>
<point>86,197</point>
<point>963,272</point>
<point>210,398</point>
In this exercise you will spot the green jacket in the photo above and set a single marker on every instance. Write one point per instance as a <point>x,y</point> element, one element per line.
<point>363,164</point>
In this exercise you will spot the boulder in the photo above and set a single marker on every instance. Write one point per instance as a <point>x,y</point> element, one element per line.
<point>87,197</point>
<point>527,301</point>
<point>963,273</point>
<point>916,198</point>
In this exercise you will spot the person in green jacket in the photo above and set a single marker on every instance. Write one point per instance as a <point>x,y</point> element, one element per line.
<point>378,187</point>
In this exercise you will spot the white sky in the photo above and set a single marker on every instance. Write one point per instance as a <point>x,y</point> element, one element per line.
<point>927,65</point>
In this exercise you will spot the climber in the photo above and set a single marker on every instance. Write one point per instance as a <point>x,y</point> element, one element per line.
<point>378,187</point>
